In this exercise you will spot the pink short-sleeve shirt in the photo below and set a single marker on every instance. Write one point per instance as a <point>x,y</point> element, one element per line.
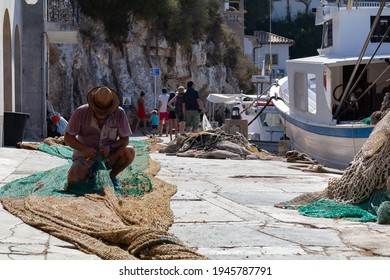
<point>84,126</point>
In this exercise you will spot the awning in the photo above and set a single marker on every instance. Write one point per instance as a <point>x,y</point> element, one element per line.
<point>227,98</point>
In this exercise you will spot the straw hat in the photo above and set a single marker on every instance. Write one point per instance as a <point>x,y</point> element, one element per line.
<point>103,100</point>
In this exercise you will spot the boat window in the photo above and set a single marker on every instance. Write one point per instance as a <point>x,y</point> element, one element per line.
<point>327,34</point>
<point>271,119</point>
<point>305,92</point>
<point>380,29</point>
<point>311,98</point>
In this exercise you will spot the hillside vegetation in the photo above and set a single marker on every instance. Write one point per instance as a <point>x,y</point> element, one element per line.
<point>180,22</point>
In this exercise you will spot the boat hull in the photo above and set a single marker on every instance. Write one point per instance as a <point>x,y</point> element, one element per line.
<point>333,146</point>
<point>324,98</point>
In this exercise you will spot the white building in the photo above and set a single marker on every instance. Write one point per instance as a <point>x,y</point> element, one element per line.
<point>10,58</point>
<point>25,33</point>
<point>263,46</point>
<point>280,8</point>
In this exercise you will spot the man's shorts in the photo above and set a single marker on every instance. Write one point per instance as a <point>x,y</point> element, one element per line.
<point>83,162</point>
<point>164,116</point>
<point>192,119</point>
<point>89,164</point>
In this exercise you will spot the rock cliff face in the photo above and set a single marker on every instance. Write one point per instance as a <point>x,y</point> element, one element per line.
<point>75,69</point>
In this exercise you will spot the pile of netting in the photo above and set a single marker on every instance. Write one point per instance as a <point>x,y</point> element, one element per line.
<point>215,144</point>
<point>360,194</point>
<point>131,223</point>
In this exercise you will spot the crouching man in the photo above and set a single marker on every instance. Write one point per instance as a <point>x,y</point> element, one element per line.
<point>99,129</point>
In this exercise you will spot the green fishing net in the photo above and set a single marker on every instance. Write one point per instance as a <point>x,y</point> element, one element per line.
<point>360,193</point>
<point>332,209</point>
<point>375,209</point>
<point>132,180</point>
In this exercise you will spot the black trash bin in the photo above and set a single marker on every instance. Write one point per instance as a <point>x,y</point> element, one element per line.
<point>14,126</point>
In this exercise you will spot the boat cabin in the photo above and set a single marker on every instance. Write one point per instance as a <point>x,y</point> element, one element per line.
<point>265,123</point>
<point>343,83</point>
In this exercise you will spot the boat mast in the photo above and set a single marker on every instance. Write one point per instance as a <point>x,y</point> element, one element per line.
<point>347,92</point>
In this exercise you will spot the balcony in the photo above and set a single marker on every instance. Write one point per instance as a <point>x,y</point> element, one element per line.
<point>61,21</point>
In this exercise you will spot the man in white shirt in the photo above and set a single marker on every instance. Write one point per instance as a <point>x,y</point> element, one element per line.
<point>162,109</point>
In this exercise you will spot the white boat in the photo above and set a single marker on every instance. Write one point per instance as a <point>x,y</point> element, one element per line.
<point>326,99</point>
<point>265,125</point>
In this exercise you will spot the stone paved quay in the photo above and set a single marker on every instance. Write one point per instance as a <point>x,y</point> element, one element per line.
<point>223,208</point>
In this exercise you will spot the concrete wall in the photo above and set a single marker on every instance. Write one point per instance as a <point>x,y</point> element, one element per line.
<point>34,70</point>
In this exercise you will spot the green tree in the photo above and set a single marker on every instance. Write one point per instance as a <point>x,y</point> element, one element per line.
<point>180,21</point>
<point>195,14</point>
<point>302,30</point>
<point>307,4</point>
<point>257,10</point>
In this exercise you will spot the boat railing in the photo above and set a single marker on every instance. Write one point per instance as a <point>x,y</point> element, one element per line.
<point>269,101</point>
<point>256,100</point>
<point>356,4</point>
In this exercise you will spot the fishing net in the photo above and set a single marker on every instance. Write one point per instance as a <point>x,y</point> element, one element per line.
<point>131,223</point>
<point>362,187</point>
<point>53,182</point>
<point>215,144</point>
<point>332,209</point>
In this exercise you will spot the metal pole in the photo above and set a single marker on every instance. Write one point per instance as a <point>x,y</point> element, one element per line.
<point>346,92</point>
<point>373,83</point>
<point>155,92</point>
<point>369,62</point>
<point>257,97</point>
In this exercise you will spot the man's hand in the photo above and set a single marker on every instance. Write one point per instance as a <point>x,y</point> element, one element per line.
<point>105,151</point>
<point>90,152</point>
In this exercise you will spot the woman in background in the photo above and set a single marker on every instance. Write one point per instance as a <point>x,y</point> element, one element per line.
<point>141,113</point>
<point>176,103</point>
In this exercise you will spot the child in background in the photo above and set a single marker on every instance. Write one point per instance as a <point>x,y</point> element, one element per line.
<point>154,122</point>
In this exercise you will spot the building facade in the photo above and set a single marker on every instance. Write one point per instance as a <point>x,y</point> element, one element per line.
<point>233,13</point>
<point>27,31</point>
<point>10,59</point>
<point>269,52</point>
<point>21,66</point>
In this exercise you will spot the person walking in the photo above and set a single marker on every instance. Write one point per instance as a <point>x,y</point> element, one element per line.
<point>162,109</point>
<point>141,113</point>
<point>176,103</point>
<point>172,122</point>
<point>192,108</point>
<point>99,129</point>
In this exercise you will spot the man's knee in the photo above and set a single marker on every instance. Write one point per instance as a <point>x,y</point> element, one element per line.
<point>77,174</point>
<point>130,153</point>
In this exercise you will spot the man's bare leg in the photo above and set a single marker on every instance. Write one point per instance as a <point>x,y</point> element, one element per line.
<point>121,159</point>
